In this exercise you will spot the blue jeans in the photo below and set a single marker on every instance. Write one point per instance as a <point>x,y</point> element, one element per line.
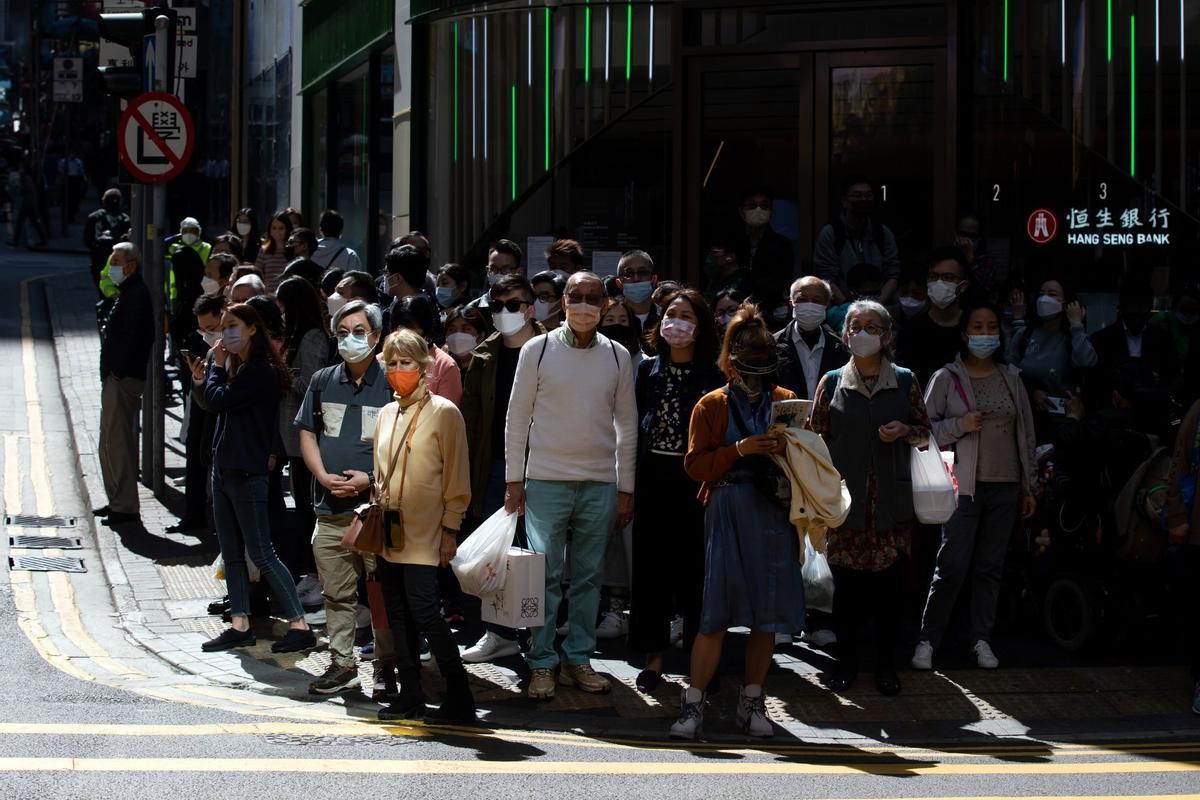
<point>587,509</point>
<point>243,527</point>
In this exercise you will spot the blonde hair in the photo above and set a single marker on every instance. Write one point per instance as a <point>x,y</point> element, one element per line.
<point>404,343</point>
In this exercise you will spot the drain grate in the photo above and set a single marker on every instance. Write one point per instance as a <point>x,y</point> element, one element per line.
<point>46,564</point>
<point>46,542</point>
<point>30,521</point>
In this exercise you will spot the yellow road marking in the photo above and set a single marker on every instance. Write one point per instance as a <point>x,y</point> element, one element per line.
<point>63,595</point>
<point>28,622</point>
<point>12,474</point>
<point>39,473</point>
<point>458,768</point>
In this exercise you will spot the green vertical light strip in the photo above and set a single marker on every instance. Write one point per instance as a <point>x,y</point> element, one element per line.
<point>1005,53</point>
<point>1132,94</point>
<point>514,141</point>
<point>547,97</point>
<point>454,27</point>
<point>628,41</point>
<point>587,42</point>
<point>1110,30</point>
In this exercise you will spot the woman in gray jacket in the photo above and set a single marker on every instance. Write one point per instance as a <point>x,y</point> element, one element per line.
<point>979,406</point>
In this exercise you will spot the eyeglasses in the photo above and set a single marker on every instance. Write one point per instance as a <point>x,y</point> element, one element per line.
<point>636,275</point>
<point>861,195</point>
<point>359,330</point>
<point>750,206</point>
<point>574,297</point>
<point>948,277</point>
<point>512,305</point>
<point>873,330</point>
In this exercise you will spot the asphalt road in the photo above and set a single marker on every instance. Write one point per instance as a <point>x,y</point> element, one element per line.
<point>86,714</point>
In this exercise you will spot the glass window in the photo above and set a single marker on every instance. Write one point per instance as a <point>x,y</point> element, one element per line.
<point>351,156</point>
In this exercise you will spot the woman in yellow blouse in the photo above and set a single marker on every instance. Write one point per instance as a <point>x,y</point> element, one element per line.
<point>421,463</point>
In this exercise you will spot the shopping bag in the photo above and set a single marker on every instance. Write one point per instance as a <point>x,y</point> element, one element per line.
<point>479,564</point>
<point>252,570</point>
<point>818,580</point>
<point>934,497</point>
<point>521,603</point>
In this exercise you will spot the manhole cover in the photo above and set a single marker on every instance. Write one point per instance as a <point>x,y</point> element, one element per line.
<point>46,564</point>
<point>46,542</point>
<point>30,521</point>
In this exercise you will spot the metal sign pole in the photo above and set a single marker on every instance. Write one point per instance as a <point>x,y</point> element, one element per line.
<point>158,194</point>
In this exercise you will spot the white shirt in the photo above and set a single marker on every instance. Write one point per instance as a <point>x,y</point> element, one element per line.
<point>333,252</point>
<point>810,360</point>
<point>1134,343</point>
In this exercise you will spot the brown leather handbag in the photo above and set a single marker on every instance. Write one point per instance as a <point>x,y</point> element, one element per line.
<point>368,532</point>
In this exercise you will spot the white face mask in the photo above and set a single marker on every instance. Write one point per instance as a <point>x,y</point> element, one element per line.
<point>508,322</point>
<point>1048,306</point>
<point>757,217</point>
<point>542,309</point>
<point>190,239</point>
<point>911,306</point>
<point>243,229</point>
<point>211,338</point>
<point>942,293</point>
<point>863,344</point>
<point>334,303</point>
<point>209,286</point>
<point>808,316</point>
<point>460,343</point>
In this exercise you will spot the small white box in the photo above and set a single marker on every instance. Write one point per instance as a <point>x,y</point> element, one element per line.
<point>522,601</point>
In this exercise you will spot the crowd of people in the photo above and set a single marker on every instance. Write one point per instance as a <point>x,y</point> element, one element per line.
<point>627,420</point>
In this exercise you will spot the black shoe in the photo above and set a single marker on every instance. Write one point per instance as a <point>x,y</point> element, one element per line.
<point>184,525</point>
<point>294,641</point>
<point>121,518</point>
<point>219,606</point>
<point>843,679</point>
<point>383,682</point>
<point>229,638</point>
<point>458,707</point>
<point>338,678</point>
<point>102,511</point>
<point>648,680</point>
<point>409,703</point>
<point>887,682</point>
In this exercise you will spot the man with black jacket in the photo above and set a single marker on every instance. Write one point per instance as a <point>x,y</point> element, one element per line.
<point>126,340</point>
<point>104,227</point>
<point>807,348</point>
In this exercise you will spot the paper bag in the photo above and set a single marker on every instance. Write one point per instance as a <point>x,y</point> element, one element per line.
<point>522,601</point>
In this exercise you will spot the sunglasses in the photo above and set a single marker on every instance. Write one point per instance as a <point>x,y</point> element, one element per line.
<point>512,305</point>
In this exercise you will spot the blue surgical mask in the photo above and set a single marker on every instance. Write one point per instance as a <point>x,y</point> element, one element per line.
<point>116,274</point>
<point>445,295</point>
<point>637,292</point>
<point>232,339</point>
<point>982,346</point>
<point>354,348</point>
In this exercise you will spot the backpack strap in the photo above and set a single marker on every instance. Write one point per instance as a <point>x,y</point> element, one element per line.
<point>962,392</point>
<point>318,411</point>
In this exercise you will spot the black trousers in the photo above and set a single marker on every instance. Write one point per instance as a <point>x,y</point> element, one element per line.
<point>410,592</point>
<point>301,481</point>
<point>198,448</point>
<point>668,555</point>
<point>860,595</point>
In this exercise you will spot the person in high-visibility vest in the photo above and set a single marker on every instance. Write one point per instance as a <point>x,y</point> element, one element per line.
<point>189,236</point>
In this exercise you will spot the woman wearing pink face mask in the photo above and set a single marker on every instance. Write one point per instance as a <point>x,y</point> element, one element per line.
<point>668,522</point>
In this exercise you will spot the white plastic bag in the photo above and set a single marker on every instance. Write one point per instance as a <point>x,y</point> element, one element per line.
<point>934,497</point>
<point>479,564</point>
<point>818,580</point>
<point>252,570</point>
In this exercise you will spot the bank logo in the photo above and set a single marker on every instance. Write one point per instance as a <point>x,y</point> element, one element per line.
<point>1042,226</point>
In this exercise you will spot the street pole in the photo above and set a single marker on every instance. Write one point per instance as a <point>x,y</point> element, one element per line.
<point>158,213</point>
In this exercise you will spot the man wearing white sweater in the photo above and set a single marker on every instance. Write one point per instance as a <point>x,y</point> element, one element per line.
<point>570,446</point>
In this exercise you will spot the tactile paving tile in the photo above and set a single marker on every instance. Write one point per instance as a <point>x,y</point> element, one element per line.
<point>190,581</point>
<point>208,626</point>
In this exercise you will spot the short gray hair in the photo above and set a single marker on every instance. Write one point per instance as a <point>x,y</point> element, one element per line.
<point>129,249</point>
<point>795,287</point>
<point>860,306</point>
<point>374,315</point>
<point>253,281</point>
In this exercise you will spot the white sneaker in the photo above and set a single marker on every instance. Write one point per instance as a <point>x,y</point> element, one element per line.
<point>783,638</point>
<point>923,656</point>
<point>315,617</point>
<point>613,625</point>
<point>677,631</point>
<point>691,716</point>
<point>752,714</point>
<point>490,647</point>
<point>821,638</point>
<point>362,617</point>
<point>310,591</point>
<point>984,656</point>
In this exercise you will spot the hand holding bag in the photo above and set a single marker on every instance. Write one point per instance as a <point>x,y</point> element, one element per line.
<point>934,496</point>
<point>368,532</point>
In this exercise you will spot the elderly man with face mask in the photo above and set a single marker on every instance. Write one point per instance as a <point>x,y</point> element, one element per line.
<point>570,446</point>
<point>807,347</point>
<point>337,430</point>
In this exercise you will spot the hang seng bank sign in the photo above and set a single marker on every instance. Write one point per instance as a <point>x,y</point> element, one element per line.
<point>1089,227</point>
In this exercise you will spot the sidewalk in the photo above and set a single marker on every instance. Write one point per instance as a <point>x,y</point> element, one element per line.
<point>161,584</point>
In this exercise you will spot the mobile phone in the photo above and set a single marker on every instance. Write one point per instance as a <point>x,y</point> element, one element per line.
<point>187,355</point>
<point>1056,405</point>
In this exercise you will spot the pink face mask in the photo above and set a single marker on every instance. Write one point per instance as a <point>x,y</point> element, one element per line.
<point>677,332</point>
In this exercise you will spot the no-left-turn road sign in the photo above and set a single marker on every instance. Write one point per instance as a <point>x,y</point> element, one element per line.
<point>155,137</point>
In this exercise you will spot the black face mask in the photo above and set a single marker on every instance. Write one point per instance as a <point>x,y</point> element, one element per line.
<point>289,253</point>
<point>112,206</point>
<point>622,334</point>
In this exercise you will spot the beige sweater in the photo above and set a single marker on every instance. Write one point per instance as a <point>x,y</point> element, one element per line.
<point>437,485</point>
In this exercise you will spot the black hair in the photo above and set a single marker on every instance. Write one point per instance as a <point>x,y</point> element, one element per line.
<point>414,312</point>
<point>508,247</point>
<point>457,273</point>
<point>226,263</point>
<point>407,262</point>
<point>304,268</point>
<point>272,317</point>
<point>308,237</point>
<point>209,304</point>
<point>331,223</point>
<point>233,242</point>
<point>301,312</point>
<point>511,283</point>
<point>551,277</point>
<point>948,253</point>
<point>363,283</point>
<point>855,179</point>
<point>332,277</point>
<point>758,189</point>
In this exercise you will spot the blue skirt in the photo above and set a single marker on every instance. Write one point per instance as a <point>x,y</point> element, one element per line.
<point>752,564</point>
